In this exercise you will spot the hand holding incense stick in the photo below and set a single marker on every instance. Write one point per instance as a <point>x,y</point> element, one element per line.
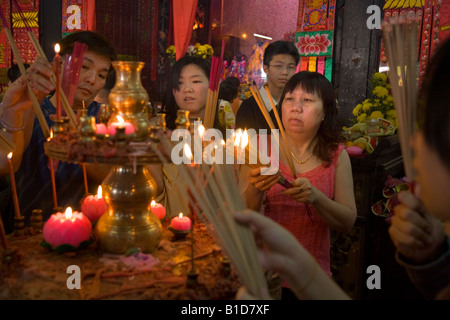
<point>31,94</point>
<point>65,102</point>
<point>215,195</point>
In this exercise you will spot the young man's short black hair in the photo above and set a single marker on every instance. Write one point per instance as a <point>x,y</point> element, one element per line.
<point>281,47</point>
<point>14,71</point>
<point>95,42</point>
<point>229,89</point>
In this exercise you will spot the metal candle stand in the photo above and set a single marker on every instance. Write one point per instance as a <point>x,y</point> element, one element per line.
<point>129,187</point>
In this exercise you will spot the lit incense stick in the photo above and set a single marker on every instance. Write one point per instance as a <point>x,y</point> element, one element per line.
<point>41,53</point>
<point>31,94</point>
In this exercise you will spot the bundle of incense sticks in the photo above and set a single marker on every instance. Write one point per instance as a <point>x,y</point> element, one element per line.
<point>213,92</point>
<point>400,36</point>
<point>253,160</point>
<point>213,191</point>
<point>72,68</point>
<point>283,144</point>
<point>286,150</point>
<point>6,146</point>
<point>65,103</point>
<point>31,94</point>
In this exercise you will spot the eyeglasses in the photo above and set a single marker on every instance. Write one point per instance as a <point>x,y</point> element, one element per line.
<point>280,67</point>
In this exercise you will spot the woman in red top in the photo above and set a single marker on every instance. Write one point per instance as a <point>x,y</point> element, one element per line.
<point>323,181</point>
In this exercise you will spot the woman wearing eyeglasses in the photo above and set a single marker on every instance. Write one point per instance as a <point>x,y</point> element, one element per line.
<point>280,63</point>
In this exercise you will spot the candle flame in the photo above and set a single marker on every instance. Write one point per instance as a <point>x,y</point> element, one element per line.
<point>68,213</point>
<point>57,48</point>
<point>180,215</point>
<point>51,134</point>
<point>237,139</point>
<point>201,130</point>
<point>244,141</point>
<point>120,119</point>
<point>9,155</point>
<point>99,192</point>
<point>222,142</point>
<point>153,203</point>
<point>187,151</point>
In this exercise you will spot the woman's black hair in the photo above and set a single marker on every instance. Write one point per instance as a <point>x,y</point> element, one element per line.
<point>229,89</point>
<point>330,133</point>
<point>170,106</point>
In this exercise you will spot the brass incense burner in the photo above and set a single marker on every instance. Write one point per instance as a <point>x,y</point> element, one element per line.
<point>128,98</point>
<point>129,221</point>
<point>129,188</point>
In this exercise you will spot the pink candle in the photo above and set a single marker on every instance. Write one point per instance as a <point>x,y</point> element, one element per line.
<point>158,209</point>
<point>94,207</point>
<point>181,223</point>
<point>100,128</point>
<point>129,128</point>
<point>67,228</point>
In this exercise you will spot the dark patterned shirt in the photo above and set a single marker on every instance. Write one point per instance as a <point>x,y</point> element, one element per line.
<point>34,184</point>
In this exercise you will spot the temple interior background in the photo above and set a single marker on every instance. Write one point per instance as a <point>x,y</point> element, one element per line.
<point>141,31</point>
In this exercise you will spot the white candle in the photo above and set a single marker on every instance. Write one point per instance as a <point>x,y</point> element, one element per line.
<point>13,187</point>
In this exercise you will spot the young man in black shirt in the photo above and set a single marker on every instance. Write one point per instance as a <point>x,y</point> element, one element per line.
<point>280,63</point>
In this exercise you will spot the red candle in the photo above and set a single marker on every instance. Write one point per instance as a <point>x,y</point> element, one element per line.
<point>158,209</point>
<point>57,62</point>
<point>94,207</point>
<point>67,228</point>
<point>13,187</point>
<point>181,223</point>
<point>100,128</point>
<point>129,128</point>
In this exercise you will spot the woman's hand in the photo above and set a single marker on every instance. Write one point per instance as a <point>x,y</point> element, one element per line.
<point>417,235</point>
<point>280,251</point>
<point>303,191</point>
<point>262,182</point>
<point>244,294</point>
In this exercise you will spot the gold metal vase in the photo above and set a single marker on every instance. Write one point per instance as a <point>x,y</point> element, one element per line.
<point>128,98</point>
<point>129,221</point>
<point>129,188</point>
